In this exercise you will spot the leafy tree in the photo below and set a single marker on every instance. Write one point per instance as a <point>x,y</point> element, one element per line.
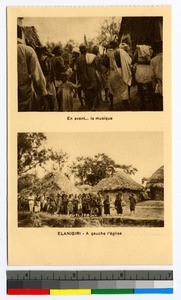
<point>31,151</point>
<point>26,181</point>
<point>59,158</point>
<point>109,30</point>
<point>129,169</point>
<point>90,170</point>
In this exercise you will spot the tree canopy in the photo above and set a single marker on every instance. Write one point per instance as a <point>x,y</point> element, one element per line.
<point>31,151</point>
<point>90,170</point>
<point>59,158</point>
<point>109,30</point>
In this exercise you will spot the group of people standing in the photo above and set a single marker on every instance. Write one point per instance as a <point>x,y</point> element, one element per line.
<point>86,204</point>
<point>46,78</point>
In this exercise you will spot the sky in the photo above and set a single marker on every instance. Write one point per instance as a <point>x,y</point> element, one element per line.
<point>63,29</point>
<point>144,150</point>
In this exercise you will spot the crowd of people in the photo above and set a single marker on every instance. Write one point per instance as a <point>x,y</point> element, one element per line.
<point>86,204</point>
<point>51,80</point>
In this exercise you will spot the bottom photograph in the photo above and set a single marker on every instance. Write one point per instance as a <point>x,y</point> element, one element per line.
<point>96,179</point>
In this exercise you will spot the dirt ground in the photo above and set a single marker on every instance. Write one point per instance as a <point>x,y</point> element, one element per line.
<point>105,105</point>
<point>147,214</point>
<point>134,103</point>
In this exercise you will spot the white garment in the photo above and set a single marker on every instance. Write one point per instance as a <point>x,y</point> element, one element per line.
<point>126,67</point>
<point>31,205</point>
<point>67,97</point>
<point>144,52</point>
<point>89,57</point>
<point>156,69</point>
<point>116,84</point>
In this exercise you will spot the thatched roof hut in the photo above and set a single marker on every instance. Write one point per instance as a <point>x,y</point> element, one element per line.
<point>156,184</point>
<point>157,179</point>
<point>85,188</point>
<point>51,183</point>
<point>118,182</point>
<point>56,181</point>
<point>31,36</point>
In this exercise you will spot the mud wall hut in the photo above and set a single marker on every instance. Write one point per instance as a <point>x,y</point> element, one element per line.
<point>119,182</point>
<point>155,185</point>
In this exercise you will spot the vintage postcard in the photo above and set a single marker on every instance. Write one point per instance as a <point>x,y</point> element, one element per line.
<point>84,184</point>
<point>90,143</point>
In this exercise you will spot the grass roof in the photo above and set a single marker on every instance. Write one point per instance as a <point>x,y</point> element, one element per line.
<point>119,181</point>
<point>157,179</point>
<point>31,36</point>
<point>52,183</point>
<point>58,181</point>
<point>85,188</point>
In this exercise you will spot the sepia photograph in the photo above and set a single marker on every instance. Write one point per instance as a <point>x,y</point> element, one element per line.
<point>113,179</point>
<point>89,63</point>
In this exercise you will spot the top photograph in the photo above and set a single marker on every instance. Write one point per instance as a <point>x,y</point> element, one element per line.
<point>81,64</point>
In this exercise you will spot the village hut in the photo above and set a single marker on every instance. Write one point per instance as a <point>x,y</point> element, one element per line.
<point>31,37</point>
<point>155,185</point>
<point>85,188</point>
<point>54,182</point>
<point>51,184</point>
<point>141,30</point>
<point>29,34</point>
<point>119,182</point>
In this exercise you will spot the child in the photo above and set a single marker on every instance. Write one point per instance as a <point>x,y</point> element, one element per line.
<point>67,93</point>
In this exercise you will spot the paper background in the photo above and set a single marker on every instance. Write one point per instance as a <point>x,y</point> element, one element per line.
<point>44,246</point>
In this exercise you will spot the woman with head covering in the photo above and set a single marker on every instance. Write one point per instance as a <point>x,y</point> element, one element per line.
<point>120,76</point>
